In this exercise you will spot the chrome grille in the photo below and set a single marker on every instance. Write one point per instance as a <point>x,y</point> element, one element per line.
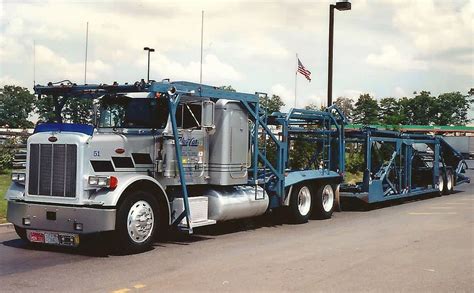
<point>52,170</point>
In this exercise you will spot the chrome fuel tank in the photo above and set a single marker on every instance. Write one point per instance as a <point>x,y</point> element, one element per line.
<point>236,202</point>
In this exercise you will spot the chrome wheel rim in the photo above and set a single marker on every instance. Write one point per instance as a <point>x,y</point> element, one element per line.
<point>440,183</point>
<point>140,221</point>
<point>304,200</point>
<point>328,198</point>
<point>449,183</point>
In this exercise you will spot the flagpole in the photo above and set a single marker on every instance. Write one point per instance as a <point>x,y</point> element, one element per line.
<point>296,77</point>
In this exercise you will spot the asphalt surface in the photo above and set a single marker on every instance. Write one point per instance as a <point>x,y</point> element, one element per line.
<point>418,245</point>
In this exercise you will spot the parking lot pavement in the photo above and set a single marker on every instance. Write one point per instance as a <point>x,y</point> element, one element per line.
<point>418,245</point>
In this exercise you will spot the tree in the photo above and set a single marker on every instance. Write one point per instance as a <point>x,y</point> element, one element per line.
<point>45,109</point>
<point>78,110</point>
<point>421,109</point>
<point>391,112</point>
<point>452,109</point>
<point>404,105</point>
<point>272,104</point>
<point>75,110</point>
<point>16,104</point>
<point>227,88</point>
<point>366,110</point>
<point>346,105</point>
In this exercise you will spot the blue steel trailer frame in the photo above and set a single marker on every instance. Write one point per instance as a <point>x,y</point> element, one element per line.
<point>275,178</point>
<point>378,182</point>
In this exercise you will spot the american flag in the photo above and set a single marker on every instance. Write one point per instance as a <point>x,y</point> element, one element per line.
<point>303,70</point>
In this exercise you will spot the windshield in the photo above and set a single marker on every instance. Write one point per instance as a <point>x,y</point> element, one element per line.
<point>126,112</point>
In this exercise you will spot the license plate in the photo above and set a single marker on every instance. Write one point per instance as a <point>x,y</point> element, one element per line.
<point>54,238</point>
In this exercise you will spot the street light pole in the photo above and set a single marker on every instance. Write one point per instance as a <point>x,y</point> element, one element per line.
<point>341,6</point>
<point>148,71</point>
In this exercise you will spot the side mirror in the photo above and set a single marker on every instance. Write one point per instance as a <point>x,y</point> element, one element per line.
<point>207,120</point>
<point>95,114</point>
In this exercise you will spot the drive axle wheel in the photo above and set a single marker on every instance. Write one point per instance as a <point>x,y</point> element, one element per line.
<point>324,202</point>
<point>137,222</point>
<point>301,203</point>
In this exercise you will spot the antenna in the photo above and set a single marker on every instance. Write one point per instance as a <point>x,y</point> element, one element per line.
<point>34,63</point>
<point>87,43</point>
<point>202,38</point>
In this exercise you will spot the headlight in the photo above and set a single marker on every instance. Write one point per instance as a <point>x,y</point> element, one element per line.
<point>19,177</point>
<point>103,181</point>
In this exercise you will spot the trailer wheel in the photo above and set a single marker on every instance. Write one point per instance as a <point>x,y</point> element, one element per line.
<point>138,220</point>
<point>449,182</point>
<point>440,182</point>
<point>301,204</point>
<point>21,232</point>
<point>324,202</point>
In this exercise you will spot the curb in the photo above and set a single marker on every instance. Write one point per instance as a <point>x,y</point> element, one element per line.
<point>7,227</point>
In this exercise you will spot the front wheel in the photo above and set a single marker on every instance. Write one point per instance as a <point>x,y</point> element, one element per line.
<point>21,232</point>
<point>324,202</point>
<point>137,222</point>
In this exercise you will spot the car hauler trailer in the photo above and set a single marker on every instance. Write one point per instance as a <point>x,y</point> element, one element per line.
<point>167,154</point>
<point>399,165</point>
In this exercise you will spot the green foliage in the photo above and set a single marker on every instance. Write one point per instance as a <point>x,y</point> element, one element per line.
<point>75,110</point>
<point>78,111</point>
<point>355,162</point>
<point>346,105</point>
<point>7,153</point>
<point>5,182</point>
<point>271,104</point>
<point>366,110</point>
<point>227,88</point>
<point>45,109</point>
<point>16,104</point>
<point>313,106</point>
<point>421,109</point>
<point>452,109</point>
<point>391,112</point>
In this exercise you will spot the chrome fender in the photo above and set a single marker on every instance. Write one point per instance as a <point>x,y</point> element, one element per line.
<point>108,197</point>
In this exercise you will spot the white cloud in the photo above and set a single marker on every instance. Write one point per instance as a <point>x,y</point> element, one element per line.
<point>399,92</point>
<point>214,70</point>
<point>51,66</point>
<point>436,26</point>
<point>391,58</point>
<point>8,80</point>
<point>288,97</point>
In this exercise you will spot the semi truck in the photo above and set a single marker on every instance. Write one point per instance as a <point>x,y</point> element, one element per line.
<point>182,155</point>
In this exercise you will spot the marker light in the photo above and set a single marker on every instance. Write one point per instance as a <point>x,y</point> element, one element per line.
<point>19,177</point>
<point>78,226</point>
<point>103,181</point>
<point>26,221</point>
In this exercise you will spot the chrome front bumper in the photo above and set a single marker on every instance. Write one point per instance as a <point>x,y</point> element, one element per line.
<point>60,218</point>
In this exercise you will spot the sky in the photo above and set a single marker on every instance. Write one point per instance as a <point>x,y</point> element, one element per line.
<point>388,48</point>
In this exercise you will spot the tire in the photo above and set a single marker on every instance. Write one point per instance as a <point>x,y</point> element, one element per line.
<point>138,221</point>
<point>440,182</point>
<point>324,201</point>
<point>21,232</point>
<point>301,204</point>
<point>449,182</point>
